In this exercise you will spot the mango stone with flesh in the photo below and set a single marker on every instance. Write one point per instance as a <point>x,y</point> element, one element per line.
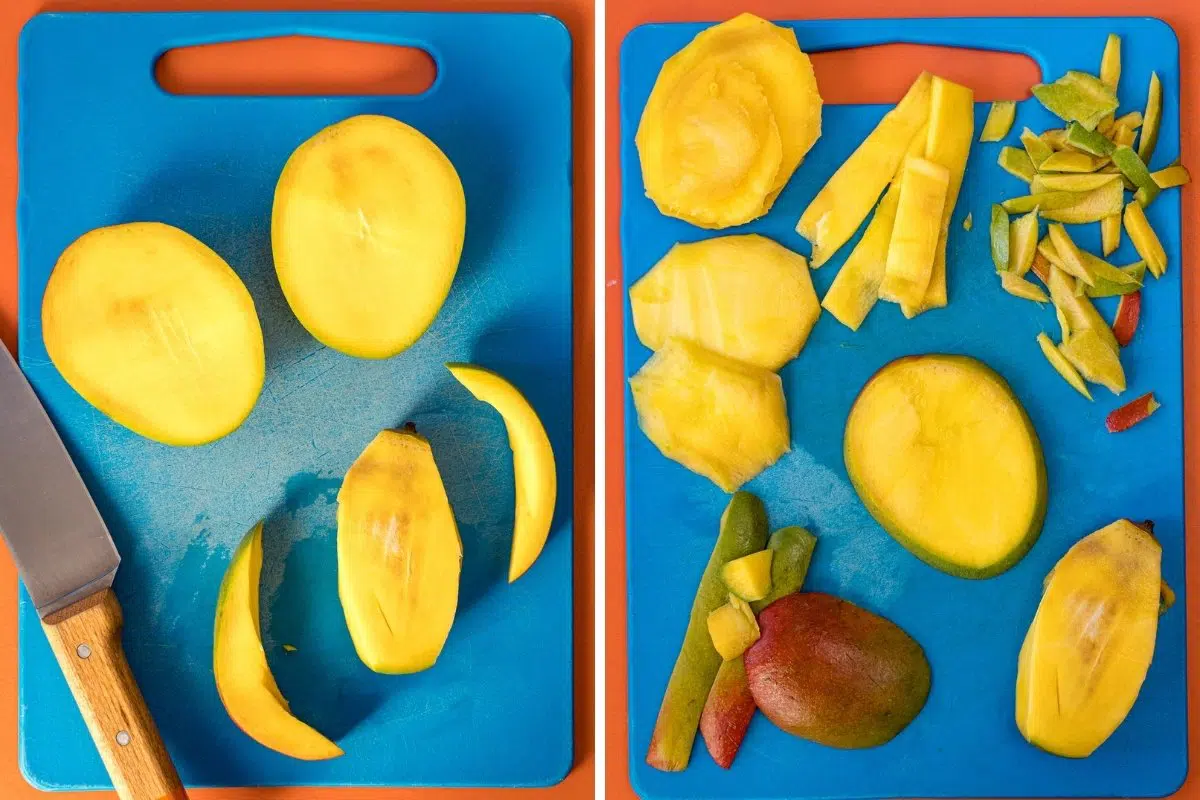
<point>155,330</point>
<point>366,231</point>
<point>745,297</point>
<point>534,472</point>
<point>244,681</point>
<point>833,673</point>
<point>399,554</point>
<point>945,458</point>
<point>729,119</point>
<point>721,418</point>
<point>1091,641</point>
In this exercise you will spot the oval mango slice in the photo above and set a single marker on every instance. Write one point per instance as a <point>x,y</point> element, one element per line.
<point>399,554</point>
<point>155,330</point>
<point>367,230</point>
<point>730,118</point>
<point>244,680</point>
<point>945,458</point>
<point>533,462</point>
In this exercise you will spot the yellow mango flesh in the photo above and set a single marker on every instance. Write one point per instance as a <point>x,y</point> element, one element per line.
<point>721,418</point>
<point>729,119</point>
<point>948,143</point>
<point>1089,352</point>
<point>944,457</point>
<point>244,681</point>
<point>1091,642</point>
<point>844,202</point>
<point>749,577</point>
<point>399,554</point>
<point>911,251</point>
<point>1062,366</point>
<point>534,471</point>
<point>155,330</point>
<point>1144,239</point>
<point>1078,311</point>
<point>366,230</point>
<point>732,628</point>
<point>745,297</point>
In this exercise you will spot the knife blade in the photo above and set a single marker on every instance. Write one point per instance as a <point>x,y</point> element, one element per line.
<point>61,545</point>
<point>67,560</point>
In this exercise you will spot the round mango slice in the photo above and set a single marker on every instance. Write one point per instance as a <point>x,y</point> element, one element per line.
<point>367,230</point>
<point>155,330</point>
<point>730,118</point>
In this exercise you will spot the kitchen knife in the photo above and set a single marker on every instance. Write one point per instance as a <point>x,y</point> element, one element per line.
<point>67,560</point>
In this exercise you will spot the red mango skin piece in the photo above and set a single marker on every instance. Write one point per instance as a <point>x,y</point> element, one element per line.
<point>727,712</point>
<point>1130,414</point>
<point>1129,312</point>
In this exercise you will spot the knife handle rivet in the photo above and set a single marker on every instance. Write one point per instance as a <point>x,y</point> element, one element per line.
<point>123,738</point>
<point>83,651</point>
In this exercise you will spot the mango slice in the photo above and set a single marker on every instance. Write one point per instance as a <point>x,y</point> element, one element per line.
<point>1072,161</point>
<point>720,418</point>
<point>1110,62</point>
<point>1110,234</point>
<point>945,458</point>
<point>1132,167</point>
<point>244,681</point>
<point>730,118</point>
<point>1084,207</point>
<point>749,577</point>
<point>1036,147</point>
<point>856,287</point>
<point>1071,182</point>
<point>1172,176</point>
<point>399,554</point>
<point>998,233</point>
<point>948,144</point>
<point>1017,286</point>
<point>1130,280</point>
<point>1079,97</point>
<point>745,297</point>
<point>534,472</point>
<point>1153,120</point>
<point>1062,366</point>
<point>1070,259</point>
<point>844,202</point>
<point>1091,642</point>
<point>1016,162</point>
<point>1145,240</point>
<point>833,673</point>
<point>999,121</point>
<point>1090,353</point>
<point>1092,142</point>
<point>1105,277</point>
<point>732,628</point>
<point>727,712</point>
<point>367,230</point>
<point>911,252</point>
<point>1077,311</point>
<point>743,530</point>
<point>1022,243</point>
<point>156,331</point>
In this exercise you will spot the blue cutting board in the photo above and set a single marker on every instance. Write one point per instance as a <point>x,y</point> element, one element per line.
<point>101,143</point>
<point>965,742</point>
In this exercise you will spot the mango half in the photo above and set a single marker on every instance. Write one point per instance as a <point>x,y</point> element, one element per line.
<point>533,462</point>
<point>945,458</point>
<point>367,229</point>
<point>399,554</point>
<point>730,118</point>
<point>244,681</point>
<point>155,330</point>
<point>1091,642</point>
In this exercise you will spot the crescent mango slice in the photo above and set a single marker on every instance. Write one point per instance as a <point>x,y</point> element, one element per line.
<point>367,230</point>
<point>533,462</point>
<point>244,680</point>
<point>155,330</point>
<point>730,118</point>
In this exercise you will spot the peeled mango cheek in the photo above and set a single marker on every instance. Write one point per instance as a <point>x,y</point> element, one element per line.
<point>1091,642</point>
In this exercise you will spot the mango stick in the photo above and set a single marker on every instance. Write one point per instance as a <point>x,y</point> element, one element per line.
<point>1153,120</point>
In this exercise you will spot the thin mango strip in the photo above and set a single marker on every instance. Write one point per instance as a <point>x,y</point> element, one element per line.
<point>912,250</point>
<point>844,202</point>
<point>1153,120</point>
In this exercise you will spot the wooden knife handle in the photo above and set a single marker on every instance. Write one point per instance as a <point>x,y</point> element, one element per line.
<point>86,639</point>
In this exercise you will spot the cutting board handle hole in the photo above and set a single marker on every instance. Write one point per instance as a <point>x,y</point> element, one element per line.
<point>296,66</point>
<point>883,73</point>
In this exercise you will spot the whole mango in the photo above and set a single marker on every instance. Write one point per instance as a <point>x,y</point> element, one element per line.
<point>833,673</point>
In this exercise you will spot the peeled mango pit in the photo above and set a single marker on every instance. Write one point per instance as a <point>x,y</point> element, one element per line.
<point>1091,642</point>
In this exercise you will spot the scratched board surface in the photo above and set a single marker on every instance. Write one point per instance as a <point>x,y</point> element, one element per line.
<point>101,143</point>
<point>965,742</point>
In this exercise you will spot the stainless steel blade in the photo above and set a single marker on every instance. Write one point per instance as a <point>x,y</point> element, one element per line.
<point>61,545</point>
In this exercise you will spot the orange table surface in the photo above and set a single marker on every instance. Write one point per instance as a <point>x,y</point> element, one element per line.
<point>578,15</point>
<point>624,15</point>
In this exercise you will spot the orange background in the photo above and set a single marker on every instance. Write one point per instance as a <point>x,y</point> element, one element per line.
<point>622,16</point>
<point>579,18</point>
